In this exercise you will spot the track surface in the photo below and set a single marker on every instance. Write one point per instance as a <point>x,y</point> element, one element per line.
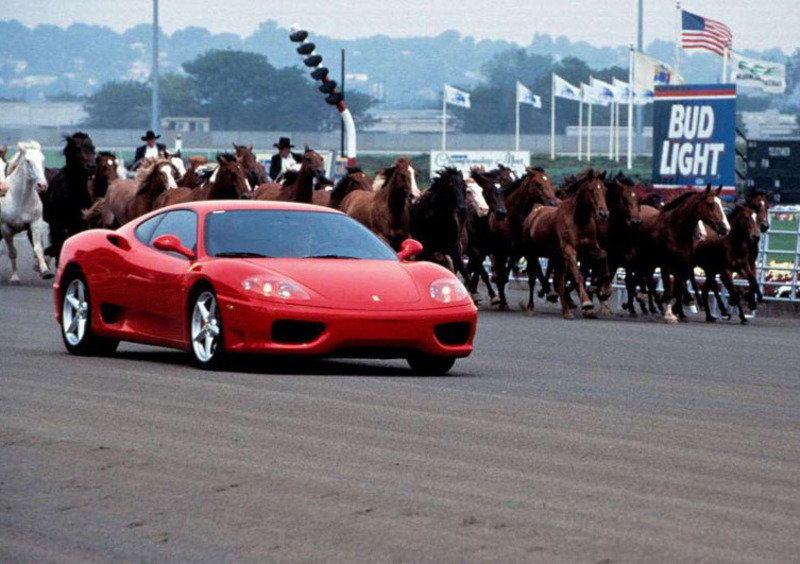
<point>582,441</point>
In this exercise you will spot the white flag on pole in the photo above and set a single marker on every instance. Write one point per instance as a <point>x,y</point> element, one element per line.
<point>641,96</point>
<point>755,73</point>
<point>648,72</point>
<point>456,97</point>
<point>525,96</point>
<point>605,90</point>
<point>593,95</point>
<point>563,89</point>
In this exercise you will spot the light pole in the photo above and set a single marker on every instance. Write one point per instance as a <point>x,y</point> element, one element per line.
<point>154,124</point>
<point>640,109</point>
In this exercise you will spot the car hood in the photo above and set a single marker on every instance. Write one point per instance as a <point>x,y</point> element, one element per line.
<point>349,283</point>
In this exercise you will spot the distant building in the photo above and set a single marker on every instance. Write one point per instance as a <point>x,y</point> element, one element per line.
<point>411,121</point>
<point>770,124</point>
<point>186,124</point>
<point>41,114</point>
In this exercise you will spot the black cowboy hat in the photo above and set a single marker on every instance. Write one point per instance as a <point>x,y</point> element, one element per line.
<point>150,135</point>
<point>283,143</point>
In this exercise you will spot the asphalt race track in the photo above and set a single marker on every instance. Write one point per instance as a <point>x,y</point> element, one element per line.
<point>557,441</point>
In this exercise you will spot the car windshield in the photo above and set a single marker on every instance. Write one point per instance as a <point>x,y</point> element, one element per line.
<point>291,234</point>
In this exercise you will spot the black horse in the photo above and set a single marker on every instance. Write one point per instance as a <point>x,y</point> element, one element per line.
<point>438,219</point>
<point>68,195</point>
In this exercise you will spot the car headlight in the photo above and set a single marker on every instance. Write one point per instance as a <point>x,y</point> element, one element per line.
<point>275,287</point>
<point>448,290</point>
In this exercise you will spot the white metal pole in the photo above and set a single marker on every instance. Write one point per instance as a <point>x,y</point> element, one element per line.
<point>630,109</point>
<point>516,137</point>
<point>580,127</point>
<point>589,135</point>
<point>616,148</point>
<point>611,131</point>
<point>154,120</point>
<point>444,119</point>
<point>725,66</point>
<point>552,120</point>
<point>678,27</point>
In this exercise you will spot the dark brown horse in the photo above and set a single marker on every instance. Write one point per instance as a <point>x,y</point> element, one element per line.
<point>667,242</point>
<point>724,256</point>
<point>533,188</point>
<point>385,211</point>
<point>759,203</point>
<point>228,182</point>
<point>128,199</point>
<point>355,179</point>
<point>564,235</point>
<point>296,186</point>
<point>254,171</point>
<point>68,195</point>
<point>438,219</point>
<point>105,173</point>
<point>193,177</point>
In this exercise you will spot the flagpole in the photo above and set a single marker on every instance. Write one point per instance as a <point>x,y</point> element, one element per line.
<point>444,118</point>
<point>616,148</point>
<point>725,66</point>
<point>552,119</point>
<point>611,130</point>
<point>516,144</point>
<point>630,108</point>
<point>678,38</point>
<point>589,135</point>
<point>580,127</point>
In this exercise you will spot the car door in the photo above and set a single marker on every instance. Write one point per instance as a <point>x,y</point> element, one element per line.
<point>156,280</point>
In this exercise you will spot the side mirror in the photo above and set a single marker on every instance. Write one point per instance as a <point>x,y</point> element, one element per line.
<point>171,244</point>
<point>409,249</point>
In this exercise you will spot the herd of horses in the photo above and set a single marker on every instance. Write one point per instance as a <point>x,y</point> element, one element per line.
<point>587,229</point>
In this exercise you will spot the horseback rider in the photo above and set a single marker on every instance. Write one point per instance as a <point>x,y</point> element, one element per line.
<point>284,160</point>
<point>150,150</point>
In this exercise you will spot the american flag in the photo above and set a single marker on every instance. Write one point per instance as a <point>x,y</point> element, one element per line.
<point>698,32</point>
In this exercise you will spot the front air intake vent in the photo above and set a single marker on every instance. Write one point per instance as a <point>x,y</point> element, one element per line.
<point>452,334</point>
<point>296,332</point>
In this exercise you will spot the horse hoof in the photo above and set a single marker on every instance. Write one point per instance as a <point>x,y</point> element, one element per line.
<point>14,280</point>
<point>671,319</point>
<point>589,314</point>
<point>568,315</point>
<point>47,275</point>
<point>495,301</point>
<point>745,321</point>
<point>476,299</point>
<point>552,297</point>
<point>503,307</point>
<point>711,319</point>
<point>726,316</point>
<point>587,306</point>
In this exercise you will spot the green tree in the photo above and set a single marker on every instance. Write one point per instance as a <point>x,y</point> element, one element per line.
<point>177,96</point>
<point>123,104</point>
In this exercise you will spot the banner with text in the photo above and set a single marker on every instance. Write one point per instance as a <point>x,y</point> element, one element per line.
<point>694,136</point>
<point>518,161</point>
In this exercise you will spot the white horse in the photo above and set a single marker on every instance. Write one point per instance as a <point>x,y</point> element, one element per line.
<point>21,208</point>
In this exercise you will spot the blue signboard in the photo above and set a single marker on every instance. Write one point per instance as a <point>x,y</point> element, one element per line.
<point>694,136</point>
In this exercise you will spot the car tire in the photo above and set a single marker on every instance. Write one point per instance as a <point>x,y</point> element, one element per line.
<point>76,320</point>
<point>206,338</point>
<point>430,365</point>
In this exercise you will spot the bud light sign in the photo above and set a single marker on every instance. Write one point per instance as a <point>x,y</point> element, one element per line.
<point>694,136</point>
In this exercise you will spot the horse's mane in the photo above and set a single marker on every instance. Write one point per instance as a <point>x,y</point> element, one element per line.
<point>22,146</point>
<point>679,200</point>
<point>227,157</point>
<point>442,177</point>
<point>538,169</point>
<point>107,154</point>
<point>144,175</point>
<point>290,177</point>
<point>29,146</point>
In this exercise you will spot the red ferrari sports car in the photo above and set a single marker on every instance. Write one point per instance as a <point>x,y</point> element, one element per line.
<point>223,277</point>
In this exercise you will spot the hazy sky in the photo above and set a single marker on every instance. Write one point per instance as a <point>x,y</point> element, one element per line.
<point>755,24</point>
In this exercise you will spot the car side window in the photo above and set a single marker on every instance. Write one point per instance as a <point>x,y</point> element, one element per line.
<point>145,229</point>
<point>180,223</point>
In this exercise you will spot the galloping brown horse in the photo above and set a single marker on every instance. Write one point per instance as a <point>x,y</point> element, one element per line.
<point>227,183</point>
<point>723,256</point>
<point>533,188</point>
<point>355,179</point>
<point>564,233</point>
<point>128,199</point>
<point>759,203</point>
<point>297,186</point>
<point>104,174</point>
<point>192,178</point>
<point>254,171</point>
<point>386,211</point>
<point>667,242</point>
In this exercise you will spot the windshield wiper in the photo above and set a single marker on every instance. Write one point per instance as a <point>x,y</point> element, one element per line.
<point>331,257</point>
<point>239,254</point>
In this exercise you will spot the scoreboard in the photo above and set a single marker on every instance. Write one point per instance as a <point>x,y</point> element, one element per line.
<point>774,164</point>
